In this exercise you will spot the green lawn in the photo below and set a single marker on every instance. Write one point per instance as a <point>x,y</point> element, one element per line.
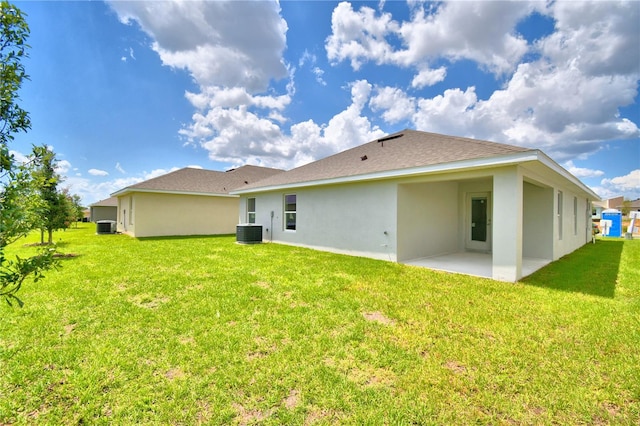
<point>203,330</point>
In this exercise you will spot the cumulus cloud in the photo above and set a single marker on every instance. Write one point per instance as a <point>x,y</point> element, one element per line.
<point>480,31</point>
<point>62,167</point>
<point>581,172</point>
<point>629,185</point>
<point>220,43</point>
<point>528,110</point>
<point>395,104</point>
<point>428,77</point>
<point>97,172</point>
<point>360,36</point>
<point>238,135</point>
<point>234,52</point>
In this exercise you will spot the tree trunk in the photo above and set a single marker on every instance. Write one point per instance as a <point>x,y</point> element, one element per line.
<point>42,236</point>
<point>50,236</point>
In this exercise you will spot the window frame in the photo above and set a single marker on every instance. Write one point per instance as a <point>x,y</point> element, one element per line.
<point>559,212</point>
<point>575,215</point>
<point>290,213</point>
<point>251,213</point>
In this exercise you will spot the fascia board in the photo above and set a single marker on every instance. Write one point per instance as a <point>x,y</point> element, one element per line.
<point>400,173</point>
<point>156,191</point>
<point>547,161</point>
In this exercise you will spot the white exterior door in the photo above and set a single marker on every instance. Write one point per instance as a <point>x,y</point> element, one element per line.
<point>478,221</point>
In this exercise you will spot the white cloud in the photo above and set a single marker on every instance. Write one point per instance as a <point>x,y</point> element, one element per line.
<point>19,157</point>
<point>234,50</point>
<point>480,31</point>
<point>396,105</point>
<point>360,36</point>
<point>318,72</point>
<point>428,77</point>
<point>581,172</point>
<point>239,136</point>
<point>627,182</point>
<point>220,43</point>
<point>627,185</point>
<point>62,167</point>
<point>120,169</point>
<point>96,172</point>
<point>595,45</point>
<point>130,54</point>
<point>528,110</point>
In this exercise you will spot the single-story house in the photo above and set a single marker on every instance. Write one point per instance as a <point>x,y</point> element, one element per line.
<point>599,206</point>
<point>188,201</point>
<point>430,200</point>
<point>106,209</point>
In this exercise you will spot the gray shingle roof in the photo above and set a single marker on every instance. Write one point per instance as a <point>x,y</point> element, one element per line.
<point>190,180</point>
<point>402,150</point>
<point>107,202</point>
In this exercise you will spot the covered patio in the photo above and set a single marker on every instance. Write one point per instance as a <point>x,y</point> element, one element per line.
<point>473,263</point>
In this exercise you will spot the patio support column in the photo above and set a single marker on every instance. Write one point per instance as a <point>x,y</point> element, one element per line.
<point>507,224</point>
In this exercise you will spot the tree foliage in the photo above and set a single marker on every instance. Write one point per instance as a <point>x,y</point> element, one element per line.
<point>20,202</point>
<point>55,209</point>
<point>14,32</point>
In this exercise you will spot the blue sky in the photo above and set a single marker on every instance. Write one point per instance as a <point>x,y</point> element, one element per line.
<point>125,91</point>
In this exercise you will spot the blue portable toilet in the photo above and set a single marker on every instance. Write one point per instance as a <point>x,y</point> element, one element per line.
<point>614,222</point>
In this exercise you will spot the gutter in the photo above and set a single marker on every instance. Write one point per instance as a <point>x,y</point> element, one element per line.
<point>126,191</point>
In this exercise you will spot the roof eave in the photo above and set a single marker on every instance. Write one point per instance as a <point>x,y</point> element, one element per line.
<point>126,191</point>
<point>501,160</point>
<point>547,161</point>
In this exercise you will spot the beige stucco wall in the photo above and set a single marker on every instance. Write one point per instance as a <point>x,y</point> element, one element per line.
<point>125,223</point>
<point>538,222</point>
<point>157,214</point>
<point>428,219</point>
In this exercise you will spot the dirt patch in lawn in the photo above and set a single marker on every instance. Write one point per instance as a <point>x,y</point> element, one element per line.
<point>377,317</point>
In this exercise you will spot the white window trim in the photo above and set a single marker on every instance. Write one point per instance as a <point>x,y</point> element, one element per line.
<point>295,213</point>
<point>249,212</point>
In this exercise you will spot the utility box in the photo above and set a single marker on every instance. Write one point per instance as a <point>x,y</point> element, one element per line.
<point>249,233</point>
<point>614,218</point>
<point>106,227</point>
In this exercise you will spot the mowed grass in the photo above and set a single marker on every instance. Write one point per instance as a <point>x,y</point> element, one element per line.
<point>201,330</point>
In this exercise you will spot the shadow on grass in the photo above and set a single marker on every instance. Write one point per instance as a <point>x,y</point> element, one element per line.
<point>592,269</point>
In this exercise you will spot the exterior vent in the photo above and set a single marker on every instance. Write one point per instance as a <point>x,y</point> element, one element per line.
<point>106,227</point>
<point>248,233</point>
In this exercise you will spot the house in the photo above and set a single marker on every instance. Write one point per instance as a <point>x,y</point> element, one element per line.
<point>599,206</point>
<point>486,208</point>
<point>188,201</point>
<point>106,209</point>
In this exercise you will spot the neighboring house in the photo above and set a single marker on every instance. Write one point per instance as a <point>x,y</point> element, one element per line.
<point>415,195</point>
<point>188,201</point>
<point>599,206</point>
<point>106,209</point>
<point>634,205</point>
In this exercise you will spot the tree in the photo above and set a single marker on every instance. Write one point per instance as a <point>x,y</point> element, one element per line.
<point>77,208</point>
<point>626,207</point>
<point>73,209</point>
<point>18,201</point>
<point>54,211</point>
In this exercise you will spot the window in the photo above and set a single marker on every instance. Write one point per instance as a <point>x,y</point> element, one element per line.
<point>131,210</point>
<point>290,212</point>
<point>251,210</point>
<point>575,215</point>
<point>559,212</point>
